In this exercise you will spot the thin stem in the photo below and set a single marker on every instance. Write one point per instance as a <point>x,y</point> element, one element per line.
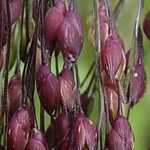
<point>90,83</point>
<point>42,120</point>
<point>27,21</point>
<point>118,10</point>
<point>1,23</point>
<point>108,6</point>
<point>133,54</point>
<point>21,38</point>
<point>87,75</point>
<point>98,76</point>
<point>121,97</point>
<point>41,31</point>
<point>56,64</point>
<point>7,65</point>
<point>79,107</point>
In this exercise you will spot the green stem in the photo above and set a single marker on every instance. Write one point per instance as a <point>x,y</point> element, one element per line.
<point>99,81</point>
<point>79,107</point>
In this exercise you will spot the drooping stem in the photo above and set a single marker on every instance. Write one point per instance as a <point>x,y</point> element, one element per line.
<point>21,40</point>
<point>43,7</point>
<point>79,107</point>
<point>133,55</point>
<point>6,75</point>
<point>118,10</point>
<point>41,31</point>
<point>98,76</point>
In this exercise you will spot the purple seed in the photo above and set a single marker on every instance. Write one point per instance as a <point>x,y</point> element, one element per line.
<point>113,57</point>
<point>14,91</point>
<point>48,89</point>
<point>121,135</point>
<point>36,141</point>
<point>70,36</point>
<point>52,21</point>
<point>64,145</point>
<point>67,74</point>
<point>58,132</point>
<point>18,130</point>
<point>139,84</point>
<point>68,94</point>
<point>84,133</point>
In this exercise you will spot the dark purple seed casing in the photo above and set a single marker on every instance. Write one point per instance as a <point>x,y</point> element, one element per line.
<point>67,74</point>
<point>68,95</point>
<point>19,128</point>
<point>112,56</point>
<point>146,25</point>
<point>121,136</point>
<point>61,132</point>
<point>48,89</point>
<point>52,21</point>
<point>58,132</point>
<point>14,91</point>
<point>139,84</point>
<point>36,141</point>
<point>70,36</point>
<point>84,133</point>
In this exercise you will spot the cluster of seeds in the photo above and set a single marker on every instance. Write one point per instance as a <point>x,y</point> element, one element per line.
<point>46,29</point>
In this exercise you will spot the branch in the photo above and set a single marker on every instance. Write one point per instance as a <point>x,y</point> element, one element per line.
<point>98,75</point>
<point>133,54</point>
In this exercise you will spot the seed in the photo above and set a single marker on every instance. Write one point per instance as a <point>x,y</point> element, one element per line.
<point>36,141</point>
<point>70,36</point>
<point>138,84</point>
<point>84,133</point>
<point>52,21</point>
<point>113,57</point>
<point>58,132</point>
<point>19,128</point>
<point>14,91</point>
<point>48,89</point>
<point>121,135</point>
